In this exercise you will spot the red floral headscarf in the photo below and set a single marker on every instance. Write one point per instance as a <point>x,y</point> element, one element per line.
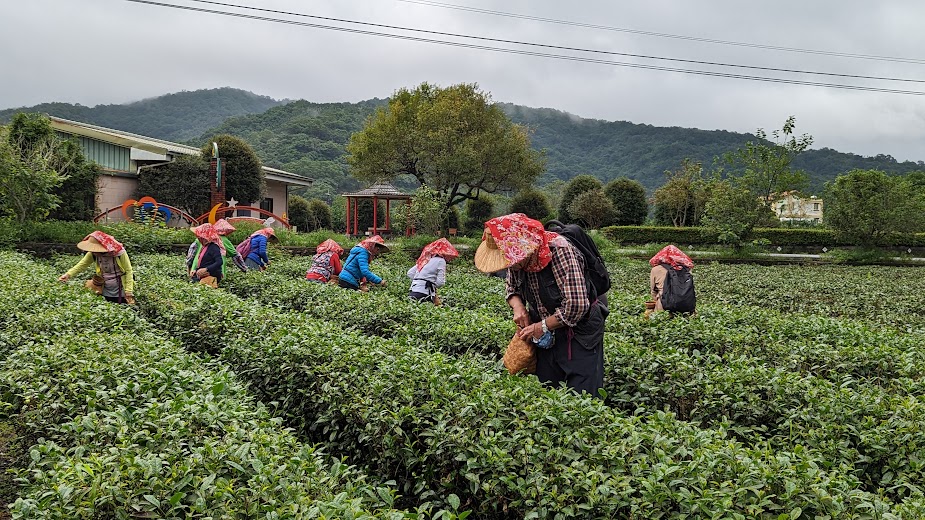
<point>672,256</point>
<point>441,247</point>
<point>329,245</point>
<point>113,246</point>
<point>223,227</point>
<point>207,235</point>
<point>267,232</point>
<point>518,237</point>
<point>370,243</point>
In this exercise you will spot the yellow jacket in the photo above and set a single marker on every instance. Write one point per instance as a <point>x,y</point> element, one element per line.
<point>128,280</point>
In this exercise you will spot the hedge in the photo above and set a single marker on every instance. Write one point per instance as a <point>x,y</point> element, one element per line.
<point>703,236</point>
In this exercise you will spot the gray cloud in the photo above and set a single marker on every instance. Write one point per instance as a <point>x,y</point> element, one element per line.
<point>111,51</point>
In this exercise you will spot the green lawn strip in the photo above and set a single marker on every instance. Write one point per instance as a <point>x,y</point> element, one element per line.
<point>125,424</point>
<point>506,446</point>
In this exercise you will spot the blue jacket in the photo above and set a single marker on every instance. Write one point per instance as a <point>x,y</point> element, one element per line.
<point>259,250</point>
<point>357,266</point>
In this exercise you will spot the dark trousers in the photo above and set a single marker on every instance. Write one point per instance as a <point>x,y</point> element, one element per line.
<point>421,297</point>
<point>115,299</point>
<point>582,370</point>
<point>346,285</point>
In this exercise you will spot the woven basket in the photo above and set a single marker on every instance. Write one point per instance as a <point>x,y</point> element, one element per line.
<point>520,356</point>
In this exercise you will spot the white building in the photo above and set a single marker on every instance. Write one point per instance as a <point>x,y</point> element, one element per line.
<point>793,207</point>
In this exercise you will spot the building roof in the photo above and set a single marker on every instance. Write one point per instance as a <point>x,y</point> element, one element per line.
<point>128,139</point>
<point>157,146</point>
<point>382,190</point>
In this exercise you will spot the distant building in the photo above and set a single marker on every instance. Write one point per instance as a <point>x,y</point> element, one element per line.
<point>793,207</point>
<point>122,156</point>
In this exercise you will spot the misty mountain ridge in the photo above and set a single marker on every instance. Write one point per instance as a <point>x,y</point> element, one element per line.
<point>310,138</point>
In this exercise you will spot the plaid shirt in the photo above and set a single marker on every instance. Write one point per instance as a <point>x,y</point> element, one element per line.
<point>568,270</point>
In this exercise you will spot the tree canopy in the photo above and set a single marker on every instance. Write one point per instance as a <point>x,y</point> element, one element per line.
<point>870,207</point>
<point>454,140</point>
<point>532,203</point>
<point>573,189</point>
<point>241,168</point>
<point>629,201</point>
<point>183,183</point>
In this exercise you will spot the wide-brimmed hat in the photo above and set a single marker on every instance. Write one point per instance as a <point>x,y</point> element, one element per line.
<point>91,245</point>
<point>488,257</point>
<point>375,240</point>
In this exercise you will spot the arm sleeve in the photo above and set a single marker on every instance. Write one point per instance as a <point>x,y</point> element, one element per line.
<point>128,275</point>
<point>441,272</point>
<point>363,262</point>
<point>413,271</point>
<point>82,264</point>
<point>568,270</point>
<point>213,261</point>
<point>657,284</point>
<point>335,264</point>
<point>512,285</point>
<point>191,254</point>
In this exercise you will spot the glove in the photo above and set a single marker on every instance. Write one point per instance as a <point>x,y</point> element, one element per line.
<point>63,278</point>
<point>130,298</point>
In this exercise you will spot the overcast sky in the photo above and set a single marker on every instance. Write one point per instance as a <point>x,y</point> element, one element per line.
<point>114,51</point>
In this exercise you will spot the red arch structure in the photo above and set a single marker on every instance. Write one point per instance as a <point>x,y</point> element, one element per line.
<point>218,211</point>
<point>131,202</point>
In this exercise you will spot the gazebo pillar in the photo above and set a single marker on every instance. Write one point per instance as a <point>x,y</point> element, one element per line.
<point>388,226</point>
<point>356,225</point>
<point>347,215</point>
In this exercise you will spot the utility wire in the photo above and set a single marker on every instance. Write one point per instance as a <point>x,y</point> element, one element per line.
<point>558,47</point>
<point>430,3</point>
<point>534,53</point>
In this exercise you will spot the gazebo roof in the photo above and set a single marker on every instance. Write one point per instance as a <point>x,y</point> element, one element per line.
<point>381,190</point>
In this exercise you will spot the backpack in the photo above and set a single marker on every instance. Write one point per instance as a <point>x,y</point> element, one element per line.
<point>678,293</point>
<point>595,270</point>
<point>244,248</point>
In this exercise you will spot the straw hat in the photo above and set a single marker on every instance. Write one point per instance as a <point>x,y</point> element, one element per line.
<point>488,258</point>
<point>91,245</point>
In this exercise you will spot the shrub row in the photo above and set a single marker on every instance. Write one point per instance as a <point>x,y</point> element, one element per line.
<point>127,425</point>
<point>776,236</point>
<point>792,382</point>
<point>508,447</point>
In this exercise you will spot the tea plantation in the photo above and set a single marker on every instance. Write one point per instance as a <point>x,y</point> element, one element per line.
<point>795,392</point>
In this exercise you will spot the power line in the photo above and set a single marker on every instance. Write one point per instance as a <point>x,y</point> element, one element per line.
<point>430,3</point>
<point>558,47</point>
<point>767,79</point>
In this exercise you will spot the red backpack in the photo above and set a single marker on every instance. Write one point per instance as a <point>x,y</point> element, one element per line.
<point>244,248</point>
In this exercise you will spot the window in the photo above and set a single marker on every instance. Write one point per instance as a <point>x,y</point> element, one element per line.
<point>243,212</point>
<point>815,206</point>
<point>267,204</point>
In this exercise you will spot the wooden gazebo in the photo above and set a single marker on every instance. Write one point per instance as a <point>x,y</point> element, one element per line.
<point>376,192</point>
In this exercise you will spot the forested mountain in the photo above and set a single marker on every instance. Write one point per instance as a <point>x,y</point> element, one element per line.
<point>310,138</point>
<point>305,138</point>
<point>175,117</point>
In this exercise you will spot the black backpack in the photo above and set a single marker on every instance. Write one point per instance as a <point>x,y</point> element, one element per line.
<point>595,270</point>
<point>678,293</point>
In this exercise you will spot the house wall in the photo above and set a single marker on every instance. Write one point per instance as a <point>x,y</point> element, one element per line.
<point>112,191</point>
<point>277,191</point>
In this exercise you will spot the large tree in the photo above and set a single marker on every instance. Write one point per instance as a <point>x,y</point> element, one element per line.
<point>629,201</point>
<point>869,207</point>
<point>241,168</point>
<point>454,140</point>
